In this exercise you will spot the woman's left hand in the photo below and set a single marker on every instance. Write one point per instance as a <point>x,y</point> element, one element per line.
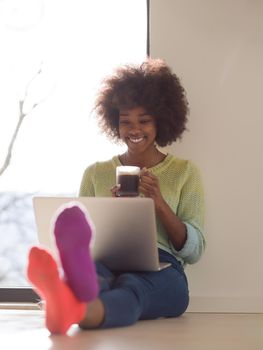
<point>149,186</point>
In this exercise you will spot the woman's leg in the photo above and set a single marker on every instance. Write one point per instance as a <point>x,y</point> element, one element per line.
<point>149,295</point>
<point>132,297</point>
<point>105,277</point>
<point>62,308</point>
<point>73,231</point>
<point>95,314</point>
<point>171,295</point>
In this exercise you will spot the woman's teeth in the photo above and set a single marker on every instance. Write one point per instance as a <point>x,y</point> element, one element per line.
<point>136,140</point>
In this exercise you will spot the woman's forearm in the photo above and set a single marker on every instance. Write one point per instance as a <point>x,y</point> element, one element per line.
<point>175,228</point>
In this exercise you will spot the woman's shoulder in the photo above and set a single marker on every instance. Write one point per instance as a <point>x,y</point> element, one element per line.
<point>104,165</point>
<point>182,163</point>
<point>185,169</point>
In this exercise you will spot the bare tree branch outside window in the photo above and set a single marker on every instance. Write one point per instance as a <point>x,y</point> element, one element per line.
<point>22,116</point>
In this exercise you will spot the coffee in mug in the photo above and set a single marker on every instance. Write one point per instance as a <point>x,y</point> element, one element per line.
<point>128,177</point>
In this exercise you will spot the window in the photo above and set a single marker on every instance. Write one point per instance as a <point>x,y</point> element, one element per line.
<point>54,54</point>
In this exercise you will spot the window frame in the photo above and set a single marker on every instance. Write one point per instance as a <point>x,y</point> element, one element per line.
<point>18,295</point>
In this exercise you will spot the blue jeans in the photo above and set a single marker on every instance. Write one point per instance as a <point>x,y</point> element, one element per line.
<point>129,297</point>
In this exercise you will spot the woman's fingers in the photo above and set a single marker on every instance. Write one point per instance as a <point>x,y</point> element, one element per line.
<point>149,185</point>
<point>114,190</point>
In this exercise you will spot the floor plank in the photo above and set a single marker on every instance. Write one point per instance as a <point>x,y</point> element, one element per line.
<point>24,329</point>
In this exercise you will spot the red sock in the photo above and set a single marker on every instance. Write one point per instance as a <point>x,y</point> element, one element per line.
<point>61,306</point>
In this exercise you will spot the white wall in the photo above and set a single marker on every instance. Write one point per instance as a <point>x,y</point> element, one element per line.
<point>216,48</point>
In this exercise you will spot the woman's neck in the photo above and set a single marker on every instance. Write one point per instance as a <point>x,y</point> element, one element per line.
<point>146,160</point>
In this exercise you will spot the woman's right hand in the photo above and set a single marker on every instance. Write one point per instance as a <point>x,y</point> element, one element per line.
<point>114,190</point>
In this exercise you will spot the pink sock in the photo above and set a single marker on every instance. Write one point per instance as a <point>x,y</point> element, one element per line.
<point>73,233</point>
<point>61,306</point>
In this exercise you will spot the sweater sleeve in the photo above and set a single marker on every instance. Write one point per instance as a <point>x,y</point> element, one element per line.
<point>191,212</point>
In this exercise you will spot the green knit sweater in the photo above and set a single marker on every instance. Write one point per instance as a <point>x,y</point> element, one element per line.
<point>180,186</point>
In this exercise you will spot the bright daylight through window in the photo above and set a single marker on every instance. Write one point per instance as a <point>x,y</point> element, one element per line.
<point>54,54</point>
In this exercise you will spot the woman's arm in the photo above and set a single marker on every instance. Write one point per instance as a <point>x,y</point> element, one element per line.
<point>174,227</point>
<point>185,227</point>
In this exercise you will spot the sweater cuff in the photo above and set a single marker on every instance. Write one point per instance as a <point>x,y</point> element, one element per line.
<point>190,244</point>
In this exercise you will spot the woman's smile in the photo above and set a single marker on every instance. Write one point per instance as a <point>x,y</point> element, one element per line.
<point>136,139</point>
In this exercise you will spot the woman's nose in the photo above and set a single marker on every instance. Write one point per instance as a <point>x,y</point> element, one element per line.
<point>134,128</point>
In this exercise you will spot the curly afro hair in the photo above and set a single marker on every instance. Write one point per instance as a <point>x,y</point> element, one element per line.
<point>151,85</point>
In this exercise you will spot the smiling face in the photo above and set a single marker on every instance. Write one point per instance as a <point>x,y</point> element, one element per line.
<point>137,129</point>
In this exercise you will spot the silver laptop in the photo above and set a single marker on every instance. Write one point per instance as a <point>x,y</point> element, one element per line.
<point>125,237</point>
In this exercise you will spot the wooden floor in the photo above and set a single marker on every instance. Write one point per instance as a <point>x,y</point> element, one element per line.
<point>24,329</point>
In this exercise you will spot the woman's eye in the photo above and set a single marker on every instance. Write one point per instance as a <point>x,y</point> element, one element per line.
<point>123,122</point>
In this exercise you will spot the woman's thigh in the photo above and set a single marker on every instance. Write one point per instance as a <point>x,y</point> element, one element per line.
<point>160,294</point>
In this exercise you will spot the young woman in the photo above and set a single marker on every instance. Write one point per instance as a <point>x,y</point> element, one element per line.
<point>145,107</point>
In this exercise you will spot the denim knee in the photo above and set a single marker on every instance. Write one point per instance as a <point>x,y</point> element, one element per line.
<point>182,306</point>
<point>180,302</point>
